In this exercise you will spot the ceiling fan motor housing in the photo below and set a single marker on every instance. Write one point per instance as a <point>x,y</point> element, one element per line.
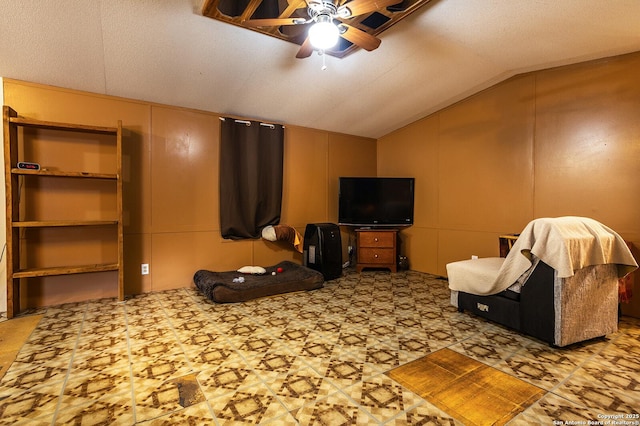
<point>322,7</point>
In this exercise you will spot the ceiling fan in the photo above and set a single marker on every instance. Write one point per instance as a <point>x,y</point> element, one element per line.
<point>328,24</point>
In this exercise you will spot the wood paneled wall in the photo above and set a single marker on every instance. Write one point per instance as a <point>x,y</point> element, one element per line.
<point>563,141</point>
<point>170,174</point>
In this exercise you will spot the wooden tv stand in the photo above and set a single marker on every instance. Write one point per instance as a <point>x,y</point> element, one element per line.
<point>377,248</point>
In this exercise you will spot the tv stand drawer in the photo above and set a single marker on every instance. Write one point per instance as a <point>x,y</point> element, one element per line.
<point>382,256</point>
<point>376,239</point>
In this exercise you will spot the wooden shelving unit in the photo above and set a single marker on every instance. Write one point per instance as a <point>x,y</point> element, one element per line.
<point>16,267</point>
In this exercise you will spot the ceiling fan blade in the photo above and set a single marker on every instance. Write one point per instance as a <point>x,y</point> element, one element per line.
<point>276,22</point>
<point>360,7</point>
<point>305,50</point>
<point>360,38</point>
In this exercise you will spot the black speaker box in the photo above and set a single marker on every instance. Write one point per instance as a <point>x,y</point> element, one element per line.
<point>322,249</point>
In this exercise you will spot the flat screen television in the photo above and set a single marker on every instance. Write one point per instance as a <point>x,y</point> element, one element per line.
<point>376,201</point>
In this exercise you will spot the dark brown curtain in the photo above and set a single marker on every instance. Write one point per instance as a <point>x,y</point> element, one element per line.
<point>251,156</point>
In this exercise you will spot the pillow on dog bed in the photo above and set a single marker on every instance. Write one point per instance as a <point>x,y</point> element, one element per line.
<point>220,287</point>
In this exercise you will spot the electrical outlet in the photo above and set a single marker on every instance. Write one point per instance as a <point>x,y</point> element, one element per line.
<point>474,257</point>
<point>145,269</point>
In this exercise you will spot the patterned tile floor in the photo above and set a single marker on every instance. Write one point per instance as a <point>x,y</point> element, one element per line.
<point>303,358</point>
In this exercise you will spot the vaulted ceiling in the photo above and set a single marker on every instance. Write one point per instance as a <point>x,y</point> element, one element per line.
<point>167,51</point>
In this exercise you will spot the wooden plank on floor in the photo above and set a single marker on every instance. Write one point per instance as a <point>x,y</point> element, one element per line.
<point>13,335</point>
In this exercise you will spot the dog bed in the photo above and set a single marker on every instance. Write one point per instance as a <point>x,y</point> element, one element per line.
<point>220,286</point>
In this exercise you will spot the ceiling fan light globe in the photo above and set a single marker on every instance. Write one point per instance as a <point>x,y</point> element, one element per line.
<point>323,35</point>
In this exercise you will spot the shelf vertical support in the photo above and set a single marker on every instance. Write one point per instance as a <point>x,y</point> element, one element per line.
<point>120,215</point>
<point>12,211</point>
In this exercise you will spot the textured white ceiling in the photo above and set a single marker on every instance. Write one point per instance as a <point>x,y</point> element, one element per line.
<point>165,51</point>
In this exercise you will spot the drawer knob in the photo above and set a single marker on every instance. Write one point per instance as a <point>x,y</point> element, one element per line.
<point>376,256</point>
<point>375,239</point>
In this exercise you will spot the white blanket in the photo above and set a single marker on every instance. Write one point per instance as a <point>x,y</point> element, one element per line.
<point>477,276</point>
<point>567,244</point>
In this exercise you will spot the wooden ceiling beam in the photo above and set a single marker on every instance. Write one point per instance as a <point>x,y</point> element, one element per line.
<point>210,8</point>
<point>293,6</point>
<point>250,10</point>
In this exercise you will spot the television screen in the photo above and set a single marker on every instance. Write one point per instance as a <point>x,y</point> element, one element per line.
<point>375,201</point>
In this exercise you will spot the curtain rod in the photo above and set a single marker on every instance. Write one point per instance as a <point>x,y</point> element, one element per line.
<point>248,123</point>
